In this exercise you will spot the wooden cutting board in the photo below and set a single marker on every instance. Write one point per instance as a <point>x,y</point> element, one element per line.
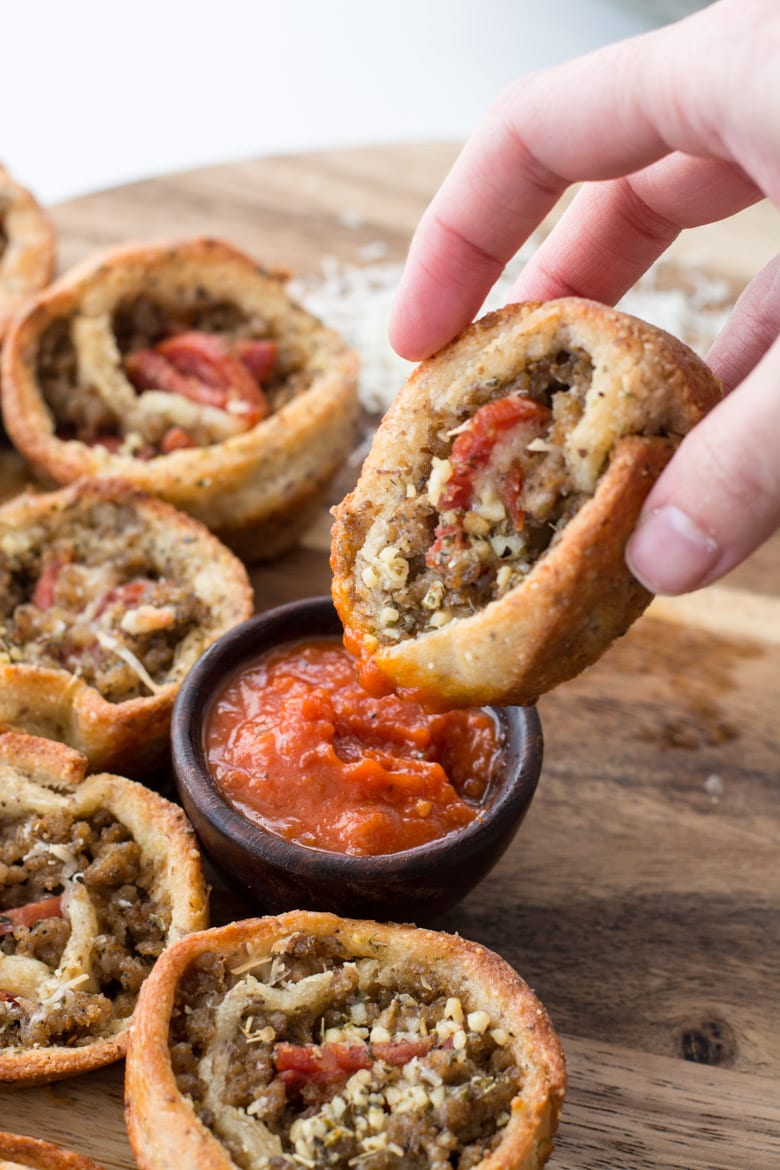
<point>641,898</point>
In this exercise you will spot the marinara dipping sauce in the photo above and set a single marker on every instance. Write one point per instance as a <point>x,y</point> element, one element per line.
<point>299,747</point>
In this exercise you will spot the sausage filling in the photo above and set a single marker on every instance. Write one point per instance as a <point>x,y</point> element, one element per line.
<point>307,1056</point>
<point>496,493</point>
<point>155,378</point>
<point>93,600</point>
<point>79,930</point>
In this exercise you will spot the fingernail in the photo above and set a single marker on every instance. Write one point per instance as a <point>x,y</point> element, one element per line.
<point>670,553</point>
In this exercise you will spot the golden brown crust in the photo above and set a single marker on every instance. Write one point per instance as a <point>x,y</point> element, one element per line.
<point>168,847</point>
<point>253,487</point>
<point>17,1150</point>
<point>51,764</point>
<point>28,254</point>
<point>645,390</point>
<point>163,1127</point>
<point>130,736</point>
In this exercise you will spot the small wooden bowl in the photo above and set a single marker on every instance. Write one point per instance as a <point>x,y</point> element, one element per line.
<point>411,885</point>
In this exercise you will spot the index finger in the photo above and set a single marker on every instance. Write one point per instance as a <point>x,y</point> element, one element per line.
<point>598,117</point>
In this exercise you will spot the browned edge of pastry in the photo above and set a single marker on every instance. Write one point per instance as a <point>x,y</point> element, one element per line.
<point>41,1155</point>
<point>28,254</point>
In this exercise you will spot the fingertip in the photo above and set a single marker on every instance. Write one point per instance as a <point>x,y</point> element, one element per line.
<point>670,553</point>
<point>426,314</point>
<point>406,331</point>
<point>442,287</point>
<point>412,327</point>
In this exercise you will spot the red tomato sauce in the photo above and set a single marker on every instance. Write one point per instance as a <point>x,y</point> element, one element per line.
<point>298,746</point>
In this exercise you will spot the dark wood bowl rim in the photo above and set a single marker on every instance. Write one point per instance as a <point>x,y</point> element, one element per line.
<point>295,621</point>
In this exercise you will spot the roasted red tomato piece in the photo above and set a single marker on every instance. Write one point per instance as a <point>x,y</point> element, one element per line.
<point>399,1052</point>
<point>43,594</point>
<point>209,361</point>
<point>175,439</point>
<point>491,448</point>
<point>259,357</point>
<point>205,369</point>
<point>301,1064</point>
<point>129,594</point>
<point>475,449</point>
<point>149,370</point>
<point>30,914</point>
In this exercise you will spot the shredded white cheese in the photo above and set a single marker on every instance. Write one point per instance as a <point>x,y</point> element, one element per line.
<point>503,577</point>
<point>62,852</point>
<point>146,619</point>
<point>110,643</point>
<point>61,989</point>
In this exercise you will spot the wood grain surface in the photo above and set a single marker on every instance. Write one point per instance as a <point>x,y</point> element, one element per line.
<point>641,898</point>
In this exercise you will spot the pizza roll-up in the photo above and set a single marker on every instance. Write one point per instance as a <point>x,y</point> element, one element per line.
<point>27,263</point>
<point>186,369</point>
<point>311,1040</point>
<point>108,598</point>
<point>97,876</point>
<point>27,247</point>
<point>480,558</point>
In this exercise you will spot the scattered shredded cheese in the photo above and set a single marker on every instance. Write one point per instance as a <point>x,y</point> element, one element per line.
<point>356,300</point>
<point>68,985</point>
<point>110,643</point>
<point>145,619</point>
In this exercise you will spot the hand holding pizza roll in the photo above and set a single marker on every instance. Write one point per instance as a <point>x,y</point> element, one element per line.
<point>480,558</point>
<point>692,139</point>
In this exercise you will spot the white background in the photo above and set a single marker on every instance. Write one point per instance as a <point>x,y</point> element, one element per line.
<point>95,92</point>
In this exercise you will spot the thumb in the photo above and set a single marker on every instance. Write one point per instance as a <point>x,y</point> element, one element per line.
<point>719,498</point>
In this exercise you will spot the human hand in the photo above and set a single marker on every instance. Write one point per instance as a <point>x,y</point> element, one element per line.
<point>672,129</point>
